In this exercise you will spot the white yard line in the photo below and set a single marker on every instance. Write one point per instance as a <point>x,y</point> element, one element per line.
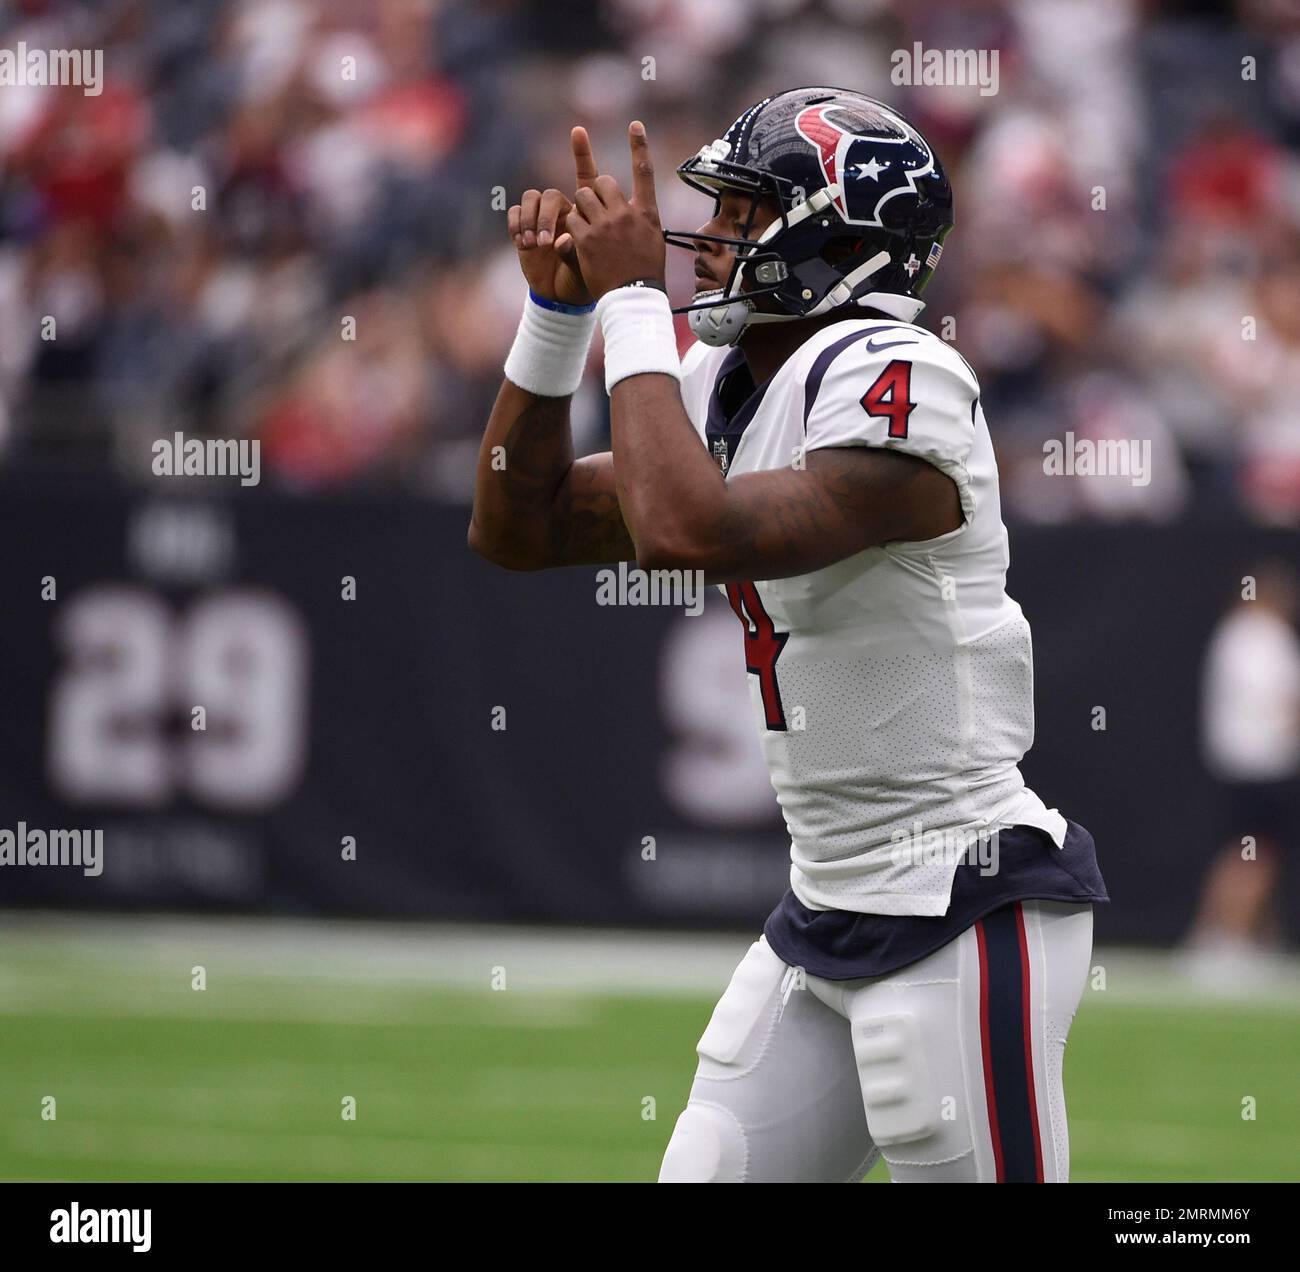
<point>408,956</point>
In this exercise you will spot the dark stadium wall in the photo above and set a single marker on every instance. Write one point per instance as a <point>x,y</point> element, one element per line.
<point>461,743</point>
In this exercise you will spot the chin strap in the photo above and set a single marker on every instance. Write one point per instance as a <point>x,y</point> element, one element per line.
<point>843,291</point>
<point>724,323</point>
<point>721,324</point>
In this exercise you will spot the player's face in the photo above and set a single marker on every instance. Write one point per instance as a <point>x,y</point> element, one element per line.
<point>731,219</point>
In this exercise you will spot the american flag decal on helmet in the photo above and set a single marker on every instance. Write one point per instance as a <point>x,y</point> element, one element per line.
<point>932,260</point>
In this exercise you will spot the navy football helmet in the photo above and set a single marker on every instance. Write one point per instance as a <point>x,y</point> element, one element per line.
<point>864,202</point>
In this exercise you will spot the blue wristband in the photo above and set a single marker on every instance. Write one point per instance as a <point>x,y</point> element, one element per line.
<point>558,306</point>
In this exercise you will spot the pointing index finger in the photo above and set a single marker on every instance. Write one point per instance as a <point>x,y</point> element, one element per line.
<point>643,169</point>
<point>584,162</point>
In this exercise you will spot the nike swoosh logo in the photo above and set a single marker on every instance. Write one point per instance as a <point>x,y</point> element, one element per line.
<point>873,347</point>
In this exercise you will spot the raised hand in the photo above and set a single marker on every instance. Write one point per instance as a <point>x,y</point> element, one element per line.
<point>538,227</point>
<point>619,240</point>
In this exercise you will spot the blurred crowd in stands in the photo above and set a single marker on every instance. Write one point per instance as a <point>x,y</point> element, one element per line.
<point>1126,262</point>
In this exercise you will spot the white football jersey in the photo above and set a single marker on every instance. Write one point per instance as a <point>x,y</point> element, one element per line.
<point>893,690</point>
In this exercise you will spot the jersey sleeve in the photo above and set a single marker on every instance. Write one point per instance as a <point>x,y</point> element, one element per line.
<point>918,397</point>
<point>698,371</point>
<point>694,358</point>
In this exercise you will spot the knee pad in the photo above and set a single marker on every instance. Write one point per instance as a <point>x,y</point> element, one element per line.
<point>708,1147</point>
<point>899,1099</point>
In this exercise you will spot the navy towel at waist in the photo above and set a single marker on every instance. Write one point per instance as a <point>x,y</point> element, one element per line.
<point>844,945</point>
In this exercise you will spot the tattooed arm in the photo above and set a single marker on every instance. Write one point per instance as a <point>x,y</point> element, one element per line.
<point>535,506</point>
<point>768,525</point>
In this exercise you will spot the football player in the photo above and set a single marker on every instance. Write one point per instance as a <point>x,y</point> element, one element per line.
<point>826,461</point>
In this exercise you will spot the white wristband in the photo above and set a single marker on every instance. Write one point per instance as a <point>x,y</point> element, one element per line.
<point>550,348</point>
<point>637,323</point>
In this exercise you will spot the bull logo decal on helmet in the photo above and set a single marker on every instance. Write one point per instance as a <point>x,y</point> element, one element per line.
<point>868,168</point>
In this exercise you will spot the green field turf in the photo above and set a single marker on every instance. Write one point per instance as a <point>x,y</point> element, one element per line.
<point>244,1080</point>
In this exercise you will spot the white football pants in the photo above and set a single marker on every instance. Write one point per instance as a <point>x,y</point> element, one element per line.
<point>950,1067</point>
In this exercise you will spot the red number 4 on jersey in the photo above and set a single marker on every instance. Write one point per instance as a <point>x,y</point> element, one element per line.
<point>763,646</point>
<point>891,396</point>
